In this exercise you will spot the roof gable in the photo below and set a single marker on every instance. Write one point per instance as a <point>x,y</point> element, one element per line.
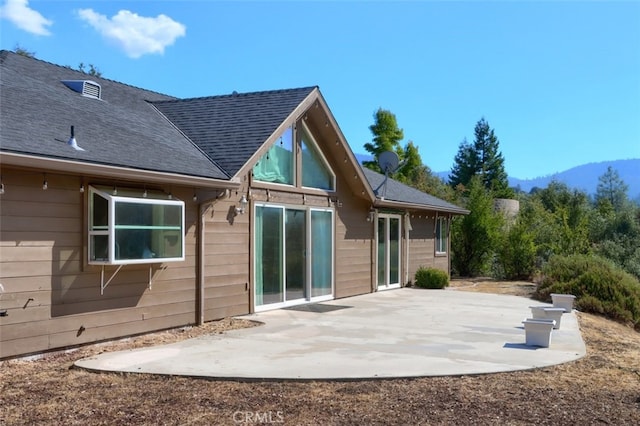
<point>394,191</point>
<point>231,128</point>
<point>122,129</point>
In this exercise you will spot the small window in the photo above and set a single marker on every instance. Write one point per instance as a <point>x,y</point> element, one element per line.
<point>442,233</point>
<point>125,227</point>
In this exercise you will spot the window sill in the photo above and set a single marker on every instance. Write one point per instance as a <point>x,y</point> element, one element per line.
<point>290,188</point>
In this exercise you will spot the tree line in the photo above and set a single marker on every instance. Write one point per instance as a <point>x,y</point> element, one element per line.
<point>552,221</point>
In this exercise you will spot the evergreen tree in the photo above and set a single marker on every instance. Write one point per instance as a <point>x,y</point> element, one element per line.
<point>24,52</point>
<point>386,137</point>
<point>93,70</point>
<point>476,235</point>
<point>482,158</point>
<point>465,165</point>
<point>411,164</point>
<point>611,189</point>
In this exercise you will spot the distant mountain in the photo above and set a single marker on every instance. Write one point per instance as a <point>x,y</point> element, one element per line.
<point>363,157</point>
<point>583,177</point>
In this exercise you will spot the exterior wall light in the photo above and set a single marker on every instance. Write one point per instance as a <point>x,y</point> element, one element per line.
<point>243,205</point>
<point>371,214</point>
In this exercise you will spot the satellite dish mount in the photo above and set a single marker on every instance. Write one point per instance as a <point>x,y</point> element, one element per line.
<point>389,163</point>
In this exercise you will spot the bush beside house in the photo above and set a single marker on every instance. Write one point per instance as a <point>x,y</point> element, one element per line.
<point>431,278</point>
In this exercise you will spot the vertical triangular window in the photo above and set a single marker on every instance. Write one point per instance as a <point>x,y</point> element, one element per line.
<point>316,172</point>
<point>277,165</point>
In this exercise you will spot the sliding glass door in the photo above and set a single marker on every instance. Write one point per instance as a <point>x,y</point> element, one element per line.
<point>293,255</point>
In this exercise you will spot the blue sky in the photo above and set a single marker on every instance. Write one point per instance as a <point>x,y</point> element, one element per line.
<point>559,82</point>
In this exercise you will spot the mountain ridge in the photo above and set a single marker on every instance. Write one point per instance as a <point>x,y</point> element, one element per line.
<point>583,177</point>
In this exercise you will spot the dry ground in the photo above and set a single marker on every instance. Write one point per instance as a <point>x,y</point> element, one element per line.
<point>603,387</point>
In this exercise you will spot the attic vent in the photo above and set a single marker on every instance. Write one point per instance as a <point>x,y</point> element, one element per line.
<point>85,87</point>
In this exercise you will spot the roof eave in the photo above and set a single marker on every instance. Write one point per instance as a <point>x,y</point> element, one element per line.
<point>115,172</point>
<point>412,206</point>
<point>371,196</point>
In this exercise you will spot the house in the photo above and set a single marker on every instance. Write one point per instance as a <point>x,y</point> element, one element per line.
<point>125,211</point>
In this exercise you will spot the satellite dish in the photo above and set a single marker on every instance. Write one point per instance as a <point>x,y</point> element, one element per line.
<point>388,162</point>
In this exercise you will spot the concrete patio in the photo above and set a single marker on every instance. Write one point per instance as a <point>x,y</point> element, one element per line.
<point>406,332</point>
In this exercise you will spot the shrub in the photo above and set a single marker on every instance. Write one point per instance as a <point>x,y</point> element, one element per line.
<point>599,285</point>
<point>431,278</point>
<point>516,254</point>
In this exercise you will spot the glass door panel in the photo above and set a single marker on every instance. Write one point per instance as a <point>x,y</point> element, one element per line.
<point>394,251</point>
<point>295,252</point>
<point>321,253</point>
<point>269,255</point>
<point>382,251</point>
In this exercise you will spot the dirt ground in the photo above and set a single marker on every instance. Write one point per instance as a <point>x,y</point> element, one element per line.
<point>602,388</point>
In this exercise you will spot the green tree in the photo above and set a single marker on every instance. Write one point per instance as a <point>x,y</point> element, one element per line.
<point>482,158</point>
<point>411,163</point>
<point>612,190</point>
<point>567,217</point>
<point>386,137</point>
<point>23,52</point>
<point>616,236</point>
<point>411,171</point>
<point>475,236</point>
<point>465,165</point>
<point>92,70</point>
<point>424,180</point>
<point>517,250</point>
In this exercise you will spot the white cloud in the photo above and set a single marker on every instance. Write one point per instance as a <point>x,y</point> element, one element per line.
<point>25,18</point>
<point>136,35</point>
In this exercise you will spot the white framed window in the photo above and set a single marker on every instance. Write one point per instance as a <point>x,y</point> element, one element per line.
<point>442,233</point>
<point>127,227</point>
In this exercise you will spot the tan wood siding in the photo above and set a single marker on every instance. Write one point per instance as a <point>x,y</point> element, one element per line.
<point>226,259</point>
<point>422,245</point>
<point>52,296</point>
<point>354,239</point>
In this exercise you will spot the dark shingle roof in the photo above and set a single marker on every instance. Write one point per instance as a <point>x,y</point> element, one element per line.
<point>231,128</point>
<point>122,129</point>
<point>399,192</point>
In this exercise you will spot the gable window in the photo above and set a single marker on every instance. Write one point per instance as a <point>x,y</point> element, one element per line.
<point>126,228</point>
<point>442,233</point>
<point>315,170</point>
<point>277,165</point>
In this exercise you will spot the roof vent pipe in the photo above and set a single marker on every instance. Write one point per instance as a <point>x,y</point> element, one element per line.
<point>72,141</point>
